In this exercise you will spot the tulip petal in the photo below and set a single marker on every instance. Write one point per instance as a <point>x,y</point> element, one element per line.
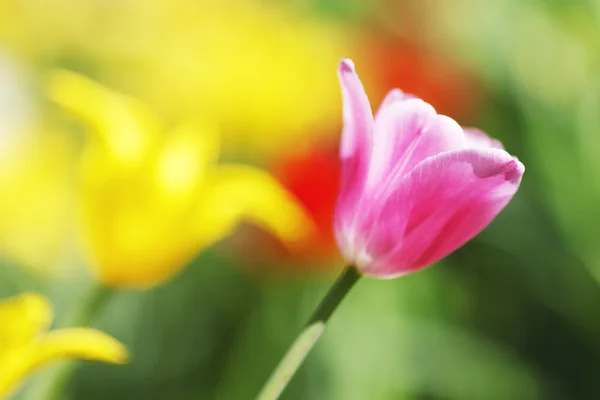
<point>125,126</point>
<point>235,192</point>
<point>81,343</point>
<point>476,138</point>
<point>408,132</point>
<point>357,135</point>
<point>78,343</point>
<point>440,205</point>
<point>22,319</point>
<point>358,117</point>
<point>151,211</point>
<point>182,162</point>
<point>393,96</point>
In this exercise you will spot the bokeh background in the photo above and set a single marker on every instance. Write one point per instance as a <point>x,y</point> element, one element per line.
<point>515,314</point>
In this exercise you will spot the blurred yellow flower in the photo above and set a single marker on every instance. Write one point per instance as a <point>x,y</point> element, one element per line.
<point>152,198</point>
<point>36,178</point>
<point>25,344</point>
<point>260,69</point>
<point>36,188</point>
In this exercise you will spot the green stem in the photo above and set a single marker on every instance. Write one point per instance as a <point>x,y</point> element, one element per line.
<point>95,301</point>
<point>309,336</point>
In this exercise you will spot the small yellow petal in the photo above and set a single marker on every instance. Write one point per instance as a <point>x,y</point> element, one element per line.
<point>22,319</point>
<point>234,192</point>
<point>81,343</point>
<point>76,343</point>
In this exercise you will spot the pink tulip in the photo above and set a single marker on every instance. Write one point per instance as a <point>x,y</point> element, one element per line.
<point>415,186</point>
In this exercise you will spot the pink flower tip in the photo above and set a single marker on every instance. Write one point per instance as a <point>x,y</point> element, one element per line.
<point>514,171</point>
<point>415,185</point>
<point>346,65</point>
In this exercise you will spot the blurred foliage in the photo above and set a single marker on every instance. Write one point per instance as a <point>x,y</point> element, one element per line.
<point>512,315</point>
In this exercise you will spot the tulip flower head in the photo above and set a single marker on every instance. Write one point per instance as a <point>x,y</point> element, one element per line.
<point>25,344</point>
<point>152,198</point>
<point>415,186</point>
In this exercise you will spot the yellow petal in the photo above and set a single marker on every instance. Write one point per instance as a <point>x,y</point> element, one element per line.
<point>229,193</point>
<point>125,126</point>
<point>81,343</point>
<point>143,237</point>
<point>22,319</point>
<point>236,192</point>
<point>78,343</point>
<point>188,151</point>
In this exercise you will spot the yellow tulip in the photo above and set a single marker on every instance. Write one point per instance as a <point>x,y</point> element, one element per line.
<point>25,343</point>
<point>152,198</point>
